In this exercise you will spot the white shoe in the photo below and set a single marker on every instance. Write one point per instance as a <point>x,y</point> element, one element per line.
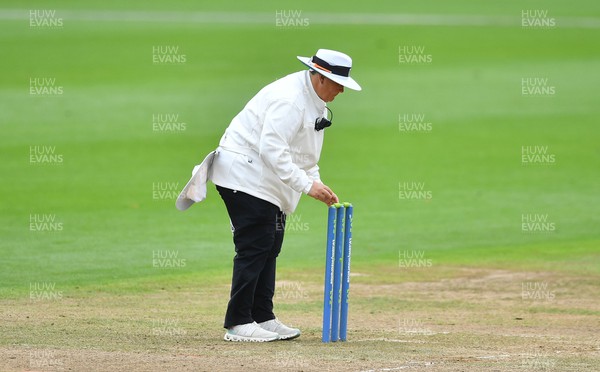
<point>285,332</point>
<point>249,332</point>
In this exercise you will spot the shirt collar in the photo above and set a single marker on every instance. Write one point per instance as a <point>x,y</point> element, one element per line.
<point>311,92</point>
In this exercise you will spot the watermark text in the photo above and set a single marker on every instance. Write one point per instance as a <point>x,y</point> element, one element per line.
<point>413,258</point>
<point>164,258</point>
<point>413,54</point>
<point>408,190</point>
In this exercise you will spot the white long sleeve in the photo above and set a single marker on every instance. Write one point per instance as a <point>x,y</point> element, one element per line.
<point>282,122</point>
<point>271,149</point>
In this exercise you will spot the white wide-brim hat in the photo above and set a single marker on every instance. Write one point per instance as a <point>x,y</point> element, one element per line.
<point>333,65</point>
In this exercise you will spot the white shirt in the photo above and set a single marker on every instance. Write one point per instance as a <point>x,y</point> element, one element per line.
<point>271,148</point>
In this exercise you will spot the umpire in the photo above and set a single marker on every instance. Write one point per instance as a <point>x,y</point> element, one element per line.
<point>265,160</point>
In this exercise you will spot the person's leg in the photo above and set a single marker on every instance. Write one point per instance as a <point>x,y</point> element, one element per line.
<point>265,287</point>
<point>253,236</point>
<point>262,312</point>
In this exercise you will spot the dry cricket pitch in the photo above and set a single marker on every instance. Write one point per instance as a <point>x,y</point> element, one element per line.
<point>464,320</point>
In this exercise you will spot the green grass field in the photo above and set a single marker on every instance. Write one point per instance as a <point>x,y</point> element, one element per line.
<point>111,205</point>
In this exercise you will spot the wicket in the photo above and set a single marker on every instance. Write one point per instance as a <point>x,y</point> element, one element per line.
<point>337,272</point>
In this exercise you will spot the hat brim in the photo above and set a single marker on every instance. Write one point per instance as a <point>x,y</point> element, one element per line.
<point>346,81</point>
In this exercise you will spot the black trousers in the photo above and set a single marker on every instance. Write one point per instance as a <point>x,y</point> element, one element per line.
<point>258,229</point>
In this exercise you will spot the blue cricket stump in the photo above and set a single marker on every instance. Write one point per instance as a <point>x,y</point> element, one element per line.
<point>346,271</point>
<point>337,272</point>
<point>328,291</point>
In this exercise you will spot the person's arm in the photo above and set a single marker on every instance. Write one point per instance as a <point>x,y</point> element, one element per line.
<point>282,122</point>
<point>320,191</point>
<point>313,173</point>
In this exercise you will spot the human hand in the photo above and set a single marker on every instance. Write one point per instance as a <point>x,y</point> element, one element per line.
<point>323,193</point>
